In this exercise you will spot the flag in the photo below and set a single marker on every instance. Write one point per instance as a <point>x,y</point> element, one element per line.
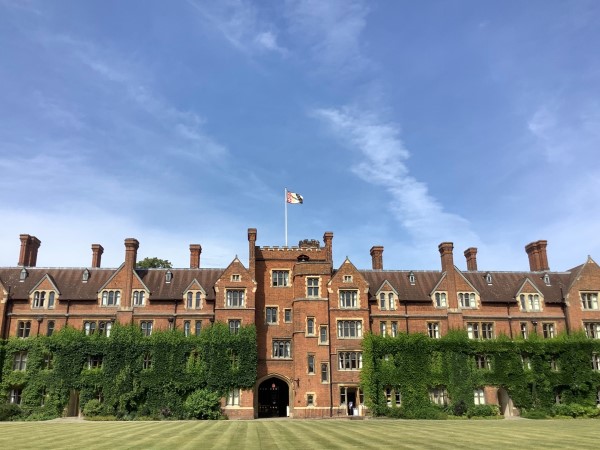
<point>292,197</point>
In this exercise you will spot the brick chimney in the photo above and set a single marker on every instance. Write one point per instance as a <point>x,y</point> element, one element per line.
<point>532,250</point>
<point>252,250</point>
<point>471,255</point>
<point>195,250</point>
<point>445,249</point>
<point>24,249</point>
<point>543,257</point>
<point>377,257</point>
<point>131,248</point>
<point>327,240</point>
<point>29,250</point>
<point>97,251</point>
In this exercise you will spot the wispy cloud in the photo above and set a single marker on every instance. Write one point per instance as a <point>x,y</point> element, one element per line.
<point>240,24</point>
<point>566,131</point>
<point>384,163</point>
<point>332,31</point>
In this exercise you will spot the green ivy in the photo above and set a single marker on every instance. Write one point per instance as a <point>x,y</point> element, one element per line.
<point>414,364</point>
<point>149,376</point>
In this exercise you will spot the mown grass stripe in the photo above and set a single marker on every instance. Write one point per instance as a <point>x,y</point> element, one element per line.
<point>300,434</point>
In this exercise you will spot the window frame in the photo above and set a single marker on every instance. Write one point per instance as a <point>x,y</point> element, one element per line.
<point>280,278</point>
<point>235,298</point>
<point>590,302</point>
<point>350,360</point>
<point>234,325</point>
<point>348,303</point>
<point>271,315</point>
<point>349,328</point>
<point>281,348</point>
<point>469,296</point>
<point>433,330</point>
<point>311,326</point>
<point>440,299</point>
<point>313,291</point>
<point>323,332</point>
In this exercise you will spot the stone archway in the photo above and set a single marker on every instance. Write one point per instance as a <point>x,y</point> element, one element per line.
<point>273,397</point>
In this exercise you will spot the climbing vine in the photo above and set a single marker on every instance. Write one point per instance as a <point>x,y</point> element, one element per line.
<point>128,374</point>
<point>536,373</point>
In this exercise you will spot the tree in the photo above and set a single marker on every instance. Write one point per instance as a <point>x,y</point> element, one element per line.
<point>154,263</point>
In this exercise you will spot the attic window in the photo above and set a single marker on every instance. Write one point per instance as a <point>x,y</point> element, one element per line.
<point>488,278</point>
<point>303,258</point>
<point>23,274</point>
<point>85,276</point>
<point>411,278</point>
<point>168,276</point>
<point>547,279</point>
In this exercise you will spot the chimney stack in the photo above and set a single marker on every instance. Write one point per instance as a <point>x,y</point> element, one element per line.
<point>252,249</point>
<point>327,240</point>
<point>538,259</point>
<point>195,250</point>
<point>29,250</point>
<point>97,251</point>
<point>377,257</point>
<point>471,255</point>
<point>131,248</point>
<point>445,249</point>
<point>541,245</point>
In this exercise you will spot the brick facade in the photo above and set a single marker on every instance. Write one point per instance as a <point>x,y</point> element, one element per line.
<point>310,315</point>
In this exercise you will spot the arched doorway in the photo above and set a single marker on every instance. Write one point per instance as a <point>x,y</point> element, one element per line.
<point>273,398</point>
<point>505,403</point>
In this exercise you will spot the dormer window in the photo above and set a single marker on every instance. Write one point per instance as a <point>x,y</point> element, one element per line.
<point>139,298</point>
<point>43,299</point>
<point>411,278</point>
<point>85,276</point>
<point>440,300</point>
<point>530,302</point>
<point>466,299</point>
<point>168,276</point>
<point>23,274</point>
<point>386,301</point>
<point>547,279</point>
<point>193,300</point>
<point>488,278</point>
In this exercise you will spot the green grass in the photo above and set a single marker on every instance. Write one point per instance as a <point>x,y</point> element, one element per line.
<point>303,434</point>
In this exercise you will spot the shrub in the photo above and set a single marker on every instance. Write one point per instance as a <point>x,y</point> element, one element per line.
<point>394,413</point>
<point>536,414</point>
<point>482,411</point>
<point>9,411</point>
<point>429,413</point>
<point>459,408</point>
<point>575,410</point>
<point>93,408</point>
<point>203,404</point>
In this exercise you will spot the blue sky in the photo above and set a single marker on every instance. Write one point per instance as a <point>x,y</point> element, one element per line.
<point>402,123</point>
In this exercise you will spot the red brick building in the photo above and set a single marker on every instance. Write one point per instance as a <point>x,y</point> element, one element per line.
<point>310,315</point>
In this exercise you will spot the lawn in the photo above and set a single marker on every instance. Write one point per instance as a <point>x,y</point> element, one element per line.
<point>296,434</point>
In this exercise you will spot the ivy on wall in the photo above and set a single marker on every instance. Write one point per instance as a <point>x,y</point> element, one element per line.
<point>535,372</point>
<point>135,375</point>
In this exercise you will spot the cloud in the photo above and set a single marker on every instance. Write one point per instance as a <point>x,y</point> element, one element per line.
<point>332,31</point>
<point>383,163</point>
<point>240,24</point>
<point>566,130</point>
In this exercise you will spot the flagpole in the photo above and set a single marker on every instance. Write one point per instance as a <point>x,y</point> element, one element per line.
<point>285,202</point>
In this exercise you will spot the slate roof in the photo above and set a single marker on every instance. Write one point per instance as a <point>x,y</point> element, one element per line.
<point>504,287</point>
<point>71,286</point>
<point>425,281</point>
